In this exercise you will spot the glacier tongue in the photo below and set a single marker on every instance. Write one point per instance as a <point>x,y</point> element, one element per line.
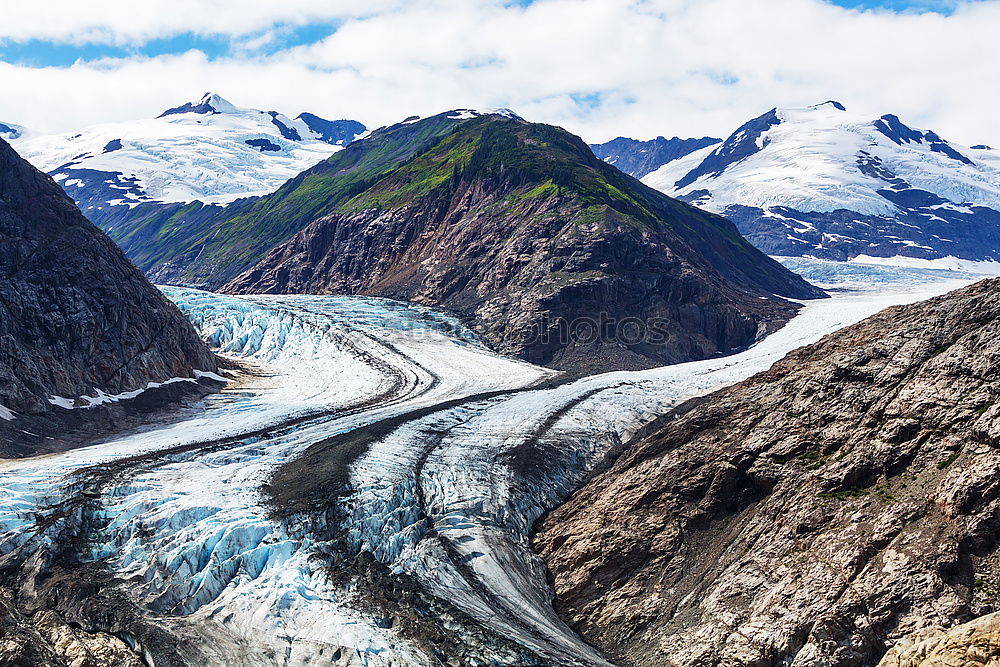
<point>183,517</point>
<point>476,449</point>
<point>451,498</point>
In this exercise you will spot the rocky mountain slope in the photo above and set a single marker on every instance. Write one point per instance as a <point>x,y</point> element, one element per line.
<point>551,254</point>
<point>43,639</point>
<point>829,183</point>
<point>638,158</point>
<point>811,515</point>
<point>972,644</point>
<point>79,325</point>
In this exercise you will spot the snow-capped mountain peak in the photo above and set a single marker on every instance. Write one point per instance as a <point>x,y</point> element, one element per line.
<point>208,104</point>
<point>826,181</point>
<point>208,150</point>
<point>464,114</point>
<point>829,104</point>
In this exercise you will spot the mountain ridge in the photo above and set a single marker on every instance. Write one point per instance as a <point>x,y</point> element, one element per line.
<point>825,182</point>
<point>812,514</point>
<point>639,158</point>
<point>77,319</point>
<point>509,223</point>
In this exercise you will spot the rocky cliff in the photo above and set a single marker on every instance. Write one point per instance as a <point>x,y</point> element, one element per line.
<point>42,639</point>
<point>972,644</point>
<point>812,515</point>
<point>76,317</point>
<point>551,254</point>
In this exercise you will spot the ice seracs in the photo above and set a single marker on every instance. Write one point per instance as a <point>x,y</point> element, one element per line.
<point>831,183</point>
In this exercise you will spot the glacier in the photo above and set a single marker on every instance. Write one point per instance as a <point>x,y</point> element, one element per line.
<point>463,451</point>
<point>809,162</point>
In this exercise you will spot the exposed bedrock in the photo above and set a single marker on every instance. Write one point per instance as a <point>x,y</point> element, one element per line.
<point>811,515</point>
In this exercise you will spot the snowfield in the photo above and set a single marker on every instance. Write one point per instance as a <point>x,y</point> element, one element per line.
<point>215,157</point>
<point>811,161</point>
<point>479,447</point>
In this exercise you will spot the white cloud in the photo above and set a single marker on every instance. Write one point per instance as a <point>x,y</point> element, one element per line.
<point>128,22</point>
<point>686,67</point>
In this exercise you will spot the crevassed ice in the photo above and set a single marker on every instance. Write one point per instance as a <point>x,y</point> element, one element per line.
<point>197,544</point>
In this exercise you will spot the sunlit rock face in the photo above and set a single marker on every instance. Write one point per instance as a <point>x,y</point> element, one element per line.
<point>972,644</point>
<point>810,515</point>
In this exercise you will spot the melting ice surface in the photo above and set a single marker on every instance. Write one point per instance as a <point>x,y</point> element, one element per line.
<point>448,498</point>
<point>194,530</point>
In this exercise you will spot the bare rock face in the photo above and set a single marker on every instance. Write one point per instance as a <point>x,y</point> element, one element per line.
<point>973,644</point>
<point>75,314</point>
<point>46,640</point>
<point>809,516</point>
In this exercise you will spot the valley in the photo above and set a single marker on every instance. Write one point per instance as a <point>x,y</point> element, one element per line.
<point>465,390</point>
<point>209,542</point>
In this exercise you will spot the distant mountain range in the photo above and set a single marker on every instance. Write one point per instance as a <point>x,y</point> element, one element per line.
<point>512,225</point>
<point>818,181</point>
<point>638,158</point>
<point>210,151</point>
<point>824,182</point>
<point>203,153</point>
<point>517,227</point>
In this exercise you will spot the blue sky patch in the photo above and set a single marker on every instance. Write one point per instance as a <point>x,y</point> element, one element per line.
<point>945,7</point>
<point>44,53</point>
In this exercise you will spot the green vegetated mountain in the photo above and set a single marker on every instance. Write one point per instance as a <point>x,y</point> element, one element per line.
<point>812,515</point>
<point>521,230</point>
<point>515,226</point>
<point>208,245</point>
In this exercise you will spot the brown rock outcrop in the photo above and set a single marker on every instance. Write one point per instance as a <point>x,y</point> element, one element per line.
<point>973,644</point>
<point>809,516</point>
<point>46,640</point>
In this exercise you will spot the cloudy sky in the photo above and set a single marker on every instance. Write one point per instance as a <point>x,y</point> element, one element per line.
<point>601,68</point>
